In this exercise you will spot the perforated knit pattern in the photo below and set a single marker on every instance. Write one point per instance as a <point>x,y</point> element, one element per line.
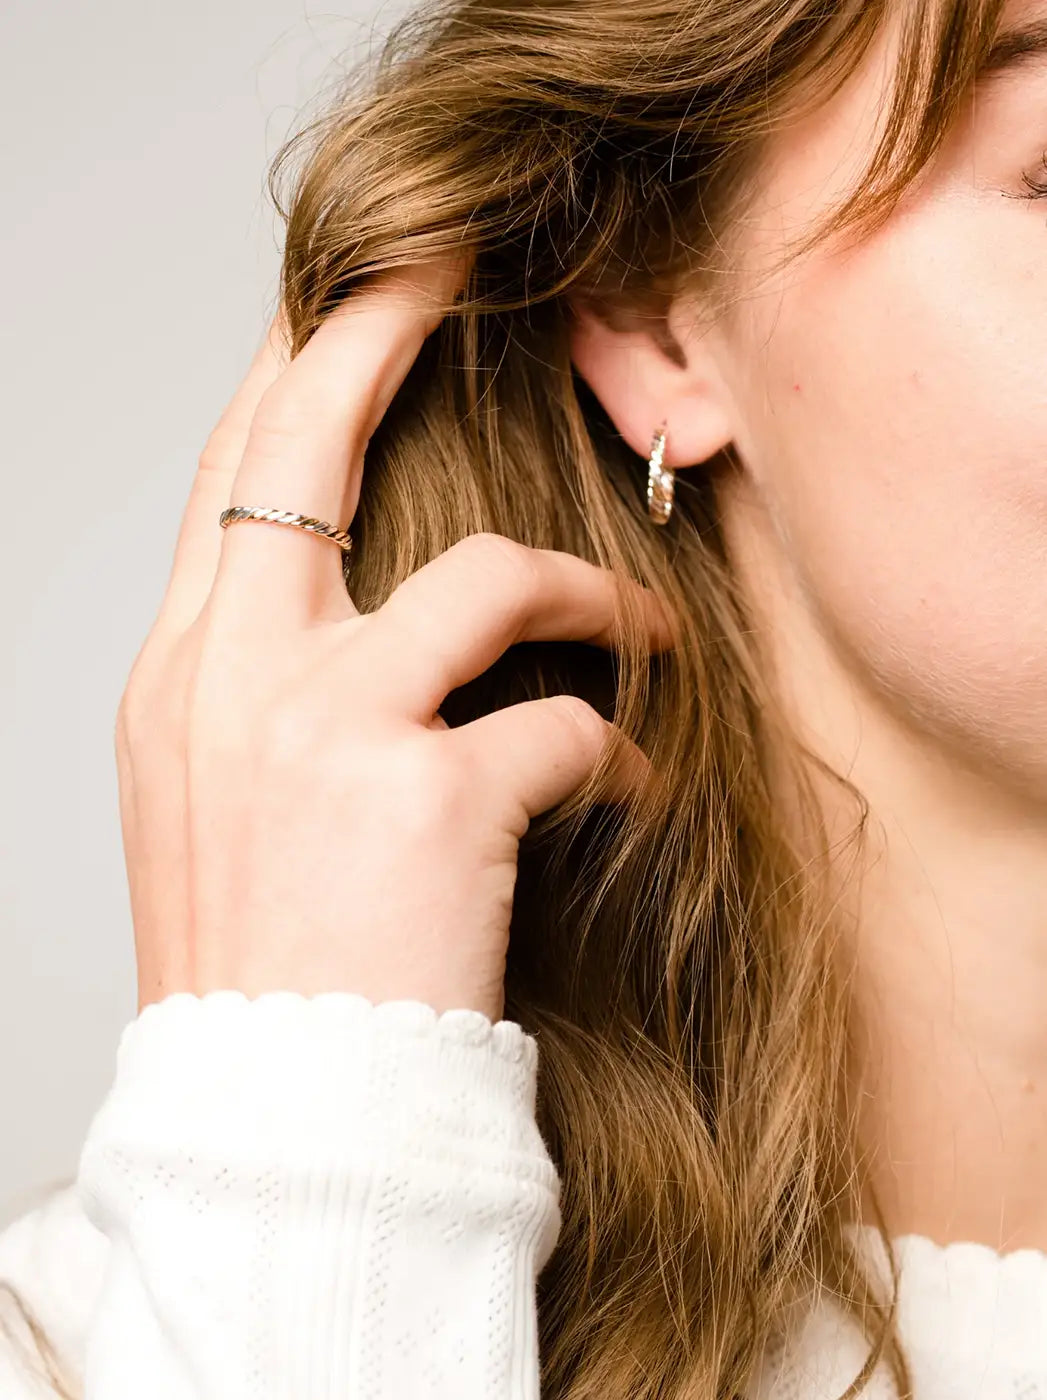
<point>323,1169</point>
<point>292,1198</point>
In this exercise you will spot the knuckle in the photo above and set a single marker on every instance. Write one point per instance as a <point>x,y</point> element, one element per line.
<point>280,418</point>
<point>507,559</point>
<point>128,724</point>
<point>142,705</point>
<point>220,452</point>
<point>580,717</point>
<point>293,409</point>
<point>142,724</point>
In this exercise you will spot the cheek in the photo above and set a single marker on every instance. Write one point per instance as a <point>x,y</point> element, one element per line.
<point>899,439</point>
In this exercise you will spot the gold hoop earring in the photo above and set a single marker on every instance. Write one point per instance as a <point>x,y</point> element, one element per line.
<point>661,481</point>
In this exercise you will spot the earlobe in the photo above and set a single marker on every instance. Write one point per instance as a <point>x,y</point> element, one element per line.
<point>640,386</point>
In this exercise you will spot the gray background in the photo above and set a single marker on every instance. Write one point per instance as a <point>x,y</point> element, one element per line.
<point>140,267</point>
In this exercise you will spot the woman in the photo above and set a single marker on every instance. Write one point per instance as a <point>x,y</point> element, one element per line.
<point>683,1037</point>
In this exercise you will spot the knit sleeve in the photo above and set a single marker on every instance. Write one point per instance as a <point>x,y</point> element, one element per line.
<point>316,1197</point>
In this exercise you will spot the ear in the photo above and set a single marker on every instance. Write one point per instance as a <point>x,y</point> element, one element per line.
<point>643,376</point>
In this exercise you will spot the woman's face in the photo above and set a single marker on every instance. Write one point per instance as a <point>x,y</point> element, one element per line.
<point>890,405</point>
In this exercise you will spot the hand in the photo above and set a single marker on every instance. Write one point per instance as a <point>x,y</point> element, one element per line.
<point>295,812</point>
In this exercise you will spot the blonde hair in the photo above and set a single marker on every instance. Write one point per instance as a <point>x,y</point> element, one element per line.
<point>673,958</point>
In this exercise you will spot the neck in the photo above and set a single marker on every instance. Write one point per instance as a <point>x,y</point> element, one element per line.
<point>947,959</point>
<point>945,947</point>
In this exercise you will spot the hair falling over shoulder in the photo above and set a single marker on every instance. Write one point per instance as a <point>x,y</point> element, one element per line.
<point>673,958</point>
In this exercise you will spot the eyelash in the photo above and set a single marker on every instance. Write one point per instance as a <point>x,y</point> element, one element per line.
<point>1036,185</point>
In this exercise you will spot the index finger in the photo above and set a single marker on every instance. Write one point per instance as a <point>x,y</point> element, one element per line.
<point>455,616</point>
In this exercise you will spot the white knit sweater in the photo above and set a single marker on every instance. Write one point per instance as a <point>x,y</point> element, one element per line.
<point>292,1198</point>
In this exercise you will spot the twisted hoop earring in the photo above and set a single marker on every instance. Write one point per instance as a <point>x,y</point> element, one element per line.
<point>661,481</point>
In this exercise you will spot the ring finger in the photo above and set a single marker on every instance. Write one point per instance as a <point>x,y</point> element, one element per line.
<point>306,444</point>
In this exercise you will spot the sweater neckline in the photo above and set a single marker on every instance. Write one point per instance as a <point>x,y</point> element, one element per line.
<point>964,1309</point>
<point>912,1245</point>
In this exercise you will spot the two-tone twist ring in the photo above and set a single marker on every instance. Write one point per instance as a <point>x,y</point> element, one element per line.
<point>342,538</point>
